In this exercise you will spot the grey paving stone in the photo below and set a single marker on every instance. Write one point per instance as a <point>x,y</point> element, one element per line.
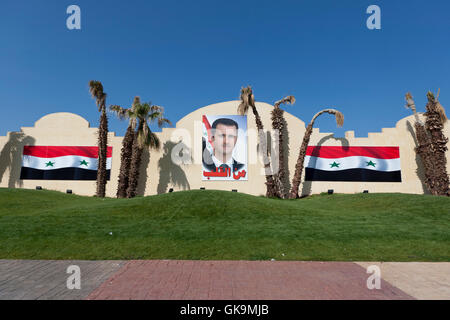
<point>47,279</point>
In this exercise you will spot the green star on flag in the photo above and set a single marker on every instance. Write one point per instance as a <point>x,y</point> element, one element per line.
<point>334,164</point>
<point>49,164</point>
<point>370,163</point>
<point>84,163</point>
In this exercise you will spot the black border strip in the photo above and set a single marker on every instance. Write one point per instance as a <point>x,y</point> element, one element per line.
<point>60,174</point>
<point>358,174</point>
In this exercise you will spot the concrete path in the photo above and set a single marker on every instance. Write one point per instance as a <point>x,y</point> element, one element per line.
<point>220,280</point>
<point>47,279</point>
<point>422,280</point>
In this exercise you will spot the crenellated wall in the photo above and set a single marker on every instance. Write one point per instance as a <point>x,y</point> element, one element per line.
<point>162,173</point>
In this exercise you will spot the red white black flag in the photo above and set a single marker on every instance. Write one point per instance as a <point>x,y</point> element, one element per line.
<point>62,163</point>
<point>370,164</point>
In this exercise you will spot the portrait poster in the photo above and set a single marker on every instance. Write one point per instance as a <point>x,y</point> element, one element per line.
<point>224,148</point>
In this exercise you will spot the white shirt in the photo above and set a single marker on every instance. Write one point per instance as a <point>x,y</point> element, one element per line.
<point>218,163</point>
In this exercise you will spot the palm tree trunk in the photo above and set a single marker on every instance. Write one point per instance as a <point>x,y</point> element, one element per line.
<point>425,153</point>
<point>434,124</point>
<point>424,146</point>
<point>301,159</point>
<point>301,156</point>
<point>270,192</point>
<point>278,127</point>
<point>136,159</point>
<point>125,162</point>
<point>102,150</point>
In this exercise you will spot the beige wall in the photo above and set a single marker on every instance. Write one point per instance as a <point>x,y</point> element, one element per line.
<point>161,174</point>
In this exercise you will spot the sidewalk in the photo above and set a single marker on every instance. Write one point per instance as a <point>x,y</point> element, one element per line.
<point>220,280</point>
<point>422,280</point>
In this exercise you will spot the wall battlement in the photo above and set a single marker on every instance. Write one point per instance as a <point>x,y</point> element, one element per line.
<point>161,173</point>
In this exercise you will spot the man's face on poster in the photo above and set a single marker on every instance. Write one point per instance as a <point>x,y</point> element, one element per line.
<point>224,139</point>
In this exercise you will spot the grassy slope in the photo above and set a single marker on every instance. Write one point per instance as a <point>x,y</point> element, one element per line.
<point>224,225</point>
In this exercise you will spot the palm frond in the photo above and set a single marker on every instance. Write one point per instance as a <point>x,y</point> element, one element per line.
<point>145,109</point>
<point>140,137</point>
<point>145,131</point>
<point>339,118</point>
<point>96,91</point>
<point>338,115</point>
<point>162,121</point>
<point>410,102</point>
<point>242,109</point>
<point>440,109</point>
<point>122,113</point>
<point>437,105</point>
<point>95,88</point>
<point>147,113</point>
<point>153,141</point>
<point>153,116</point>
<point>287,100</point>
<point>155,108</point>
<point>247,100</point>
<point>136,101</point>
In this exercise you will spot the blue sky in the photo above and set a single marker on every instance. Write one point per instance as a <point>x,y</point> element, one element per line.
<point>188,54</point>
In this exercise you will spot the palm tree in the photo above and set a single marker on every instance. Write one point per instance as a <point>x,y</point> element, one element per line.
<point>434,124</point>
<point>301,157</point>
<point>248,101</point>
<point>278,125</point>
<point>96,90</point>
<point>143,137</point>
<point>127,145</point>
<point>423,148</point>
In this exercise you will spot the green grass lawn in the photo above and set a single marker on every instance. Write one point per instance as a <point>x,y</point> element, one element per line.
<point>209,225</point>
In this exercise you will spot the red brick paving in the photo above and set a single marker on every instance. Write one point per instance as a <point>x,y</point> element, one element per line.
<point>241,280</point>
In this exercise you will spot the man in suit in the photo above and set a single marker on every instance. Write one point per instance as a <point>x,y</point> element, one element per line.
<point>224,135</point>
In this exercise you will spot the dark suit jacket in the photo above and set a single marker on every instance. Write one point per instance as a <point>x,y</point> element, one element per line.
<point>208,163</point>
<point>212,167</point>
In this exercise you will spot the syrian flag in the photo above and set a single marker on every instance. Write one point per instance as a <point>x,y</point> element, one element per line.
<point>207,134</point>
<point>62,163</point>
<point>369,164</point>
